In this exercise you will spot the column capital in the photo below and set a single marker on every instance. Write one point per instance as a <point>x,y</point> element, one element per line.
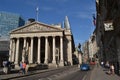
<point>61,36</point>
<point>39,37</point>
<point>53,36</point>
<point>18,38</point>
<point>25,37</point>
<point>70,39</point>
<point>31,37</point>
<point>11,38</point>
<point>46,36</point>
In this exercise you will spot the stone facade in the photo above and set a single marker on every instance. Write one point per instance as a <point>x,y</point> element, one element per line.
<point>92,46</point>
<point>41,43</point>
<point>85,50</point>
<point>109,40</point>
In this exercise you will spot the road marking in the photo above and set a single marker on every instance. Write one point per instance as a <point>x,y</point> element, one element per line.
<point>49,78</point>
<point>84,78</point>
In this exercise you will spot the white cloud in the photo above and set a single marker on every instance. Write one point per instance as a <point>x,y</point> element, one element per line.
<point>83,15</point>
<point>86,11</point>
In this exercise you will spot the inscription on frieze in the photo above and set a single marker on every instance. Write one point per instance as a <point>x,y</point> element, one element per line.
<point>36,28</point>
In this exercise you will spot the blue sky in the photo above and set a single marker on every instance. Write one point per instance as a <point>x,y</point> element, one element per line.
<point>79,13</point>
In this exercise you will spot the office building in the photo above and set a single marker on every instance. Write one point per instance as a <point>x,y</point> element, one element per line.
<point>8,22</point>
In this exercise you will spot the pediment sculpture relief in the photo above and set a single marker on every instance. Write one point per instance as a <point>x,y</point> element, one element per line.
<point>35,28</point>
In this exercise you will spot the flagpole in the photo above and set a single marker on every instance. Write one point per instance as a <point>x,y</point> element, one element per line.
<point>94,24</point>
<point>37,9</point>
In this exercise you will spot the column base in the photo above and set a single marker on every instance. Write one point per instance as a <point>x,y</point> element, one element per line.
<point>46,62</point>
<point>15,62</point>
<point>61,63</point>
<point>30,62</point>
<point>53,62</point>
<point>52,65</point>
<point>39,62</point>
<point>70,63</point>
<point>17,66</point>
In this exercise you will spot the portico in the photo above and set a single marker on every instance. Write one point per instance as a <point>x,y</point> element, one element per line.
<point>40,49</point>
<point>39,43</point>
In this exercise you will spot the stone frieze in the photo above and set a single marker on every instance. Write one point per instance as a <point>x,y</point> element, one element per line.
<point>35,28</point>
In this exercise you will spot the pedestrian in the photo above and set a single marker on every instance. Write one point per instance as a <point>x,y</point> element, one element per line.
<point>27,67</point>
<point>97,62</point>
<point>21,67</point>
<point>24,67</point>
<point>7,67</point>
<point>107,65</point>
<point>112,69</point>
<point>102,63</point>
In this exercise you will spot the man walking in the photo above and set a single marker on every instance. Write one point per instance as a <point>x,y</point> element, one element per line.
<point>97,62</point>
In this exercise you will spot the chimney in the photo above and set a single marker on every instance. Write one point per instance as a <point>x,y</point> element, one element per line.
<point>30,20</point>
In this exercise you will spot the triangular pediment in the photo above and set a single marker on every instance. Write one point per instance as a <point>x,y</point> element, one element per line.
<point>36,27</point>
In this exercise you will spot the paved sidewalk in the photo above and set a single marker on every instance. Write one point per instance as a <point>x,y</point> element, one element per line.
<point>1,69</point>
<point>99,73</point>
<point>16,74</point>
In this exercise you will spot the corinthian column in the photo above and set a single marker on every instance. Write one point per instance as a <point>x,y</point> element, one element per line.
<point>39,43</point>
<point>10,51</point>
<point>46,50</point>
<point>61,52</point>
<point>17,51</point>
<point>24,50</point>
<point>54,62</point>
<point>13,50</point>
<point>31,51</point>
<point>70,52</point>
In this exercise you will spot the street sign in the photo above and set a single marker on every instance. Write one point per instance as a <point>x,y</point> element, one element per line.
<point>108,26</point>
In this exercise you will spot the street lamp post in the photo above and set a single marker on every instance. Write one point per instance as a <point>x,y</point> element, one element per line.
<point>79,46</point>
<point>79,51</point>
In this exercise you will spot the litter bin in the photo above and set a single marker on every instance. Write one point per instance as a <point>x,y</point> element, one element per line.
<point>6,70</point>
<point>7,67</point>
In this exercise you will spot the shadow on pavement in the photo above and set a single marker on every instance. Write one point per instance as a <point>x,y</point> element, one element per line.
<point>11,72</point>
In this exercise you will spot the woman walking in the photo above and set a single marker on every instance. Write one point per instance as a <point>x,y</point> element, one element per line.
<point>24,67</point>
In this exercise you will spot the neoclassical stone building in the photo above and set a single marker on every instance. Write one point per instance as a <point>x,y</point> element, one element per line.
<point>41,43</point>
